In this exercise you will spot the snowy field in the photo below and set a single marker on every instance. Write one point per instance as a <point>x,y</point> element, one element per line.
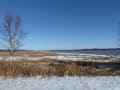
<point>61,83</point>
<point>62,56</point>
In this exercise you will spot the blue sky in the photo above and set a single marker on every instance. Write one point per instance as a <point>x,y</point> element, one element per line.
<point>66,24</point>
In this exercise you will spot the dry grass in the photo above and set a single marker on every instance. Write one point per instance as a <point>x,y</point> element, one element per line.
<point>117,60</point>
<point>29,53</point>
<point>47,67</point>
<point>99,58</point>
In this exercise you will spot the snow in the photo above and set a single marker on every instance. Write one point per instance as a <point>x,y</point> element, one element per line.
<point>61,83</point>
<point>60,56</point>
<point>7,58</point>
<point>81,54</point>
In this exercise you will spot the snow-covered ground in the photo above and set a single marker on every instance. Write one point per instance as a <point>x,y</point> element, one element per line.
<point>61,83</point>
<point>60,56</point>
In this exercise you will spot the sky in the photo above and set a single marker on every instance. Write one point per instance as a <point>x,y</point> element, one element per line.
<point>66,24</point>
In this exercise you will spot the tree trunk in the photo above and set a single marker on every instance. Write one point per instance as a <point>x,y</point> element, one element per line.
<point>11,52</point>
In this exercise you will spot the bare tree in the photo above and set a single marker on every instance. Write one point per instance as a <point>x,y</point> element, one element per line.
<point>12,33</point>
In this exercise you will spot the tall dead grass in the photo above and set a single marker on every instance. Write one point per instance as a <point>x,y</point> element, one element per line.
<point>28,53</point>
<point>47,67</point>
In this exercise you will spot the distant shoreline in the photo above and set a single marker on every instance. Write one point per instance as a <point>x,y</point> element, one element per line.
<point>108,52</point>
<point>95,51</point>
<point>66,49</point>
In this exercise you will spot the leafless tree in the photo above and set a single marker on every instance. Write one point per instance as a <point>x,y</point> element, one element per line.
<point>12,33</point>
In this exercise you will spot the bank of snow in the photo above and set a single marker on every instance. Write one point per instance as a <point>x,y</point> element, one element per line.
<point>61,83</point>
